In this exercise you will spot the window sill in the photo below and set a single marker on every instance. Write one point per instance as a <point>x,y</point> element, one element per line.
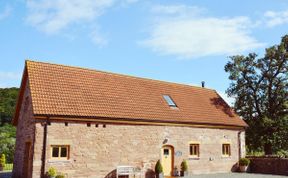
<point>193,158</point>
<point>226,156</point>
<point>59,161</point>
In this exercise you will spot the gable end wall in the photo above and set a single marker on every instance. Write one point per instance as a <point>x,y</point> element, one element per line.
<point>24,133</point>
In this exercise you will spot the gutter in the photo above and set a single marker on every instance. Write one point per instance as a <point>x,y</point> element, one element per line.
<point>43,156</point>
<point>137,121</point>
<point>239,144</point>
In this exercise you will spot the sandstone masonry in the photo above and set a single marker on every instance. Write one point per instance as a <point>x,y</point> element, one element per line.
<point>97,151</point>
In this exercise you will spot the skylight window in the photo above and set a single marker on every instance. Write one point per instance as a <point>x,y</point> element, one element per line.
<point>169,101</point>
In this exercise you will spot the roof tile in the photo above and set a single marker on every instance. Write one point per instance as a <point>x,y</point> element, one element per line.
<point>72,91</point>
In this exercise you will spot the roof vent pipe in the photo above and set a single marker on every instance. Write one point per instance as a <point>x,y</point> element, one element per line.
<point>203,84</point>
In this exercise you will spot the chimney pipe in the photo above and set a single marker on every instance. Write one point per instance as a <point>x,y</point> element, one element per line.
<point>203,84</point>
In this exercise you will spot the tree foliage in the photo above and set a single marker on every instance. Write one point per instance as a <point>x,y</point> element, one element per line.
<point>260,87</point>
<point>8,97</point>
<point>7,131</point>
<point>7,141</point>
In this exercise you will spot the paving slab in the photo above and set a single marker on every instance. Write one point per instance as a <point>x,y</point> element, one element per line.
<point>236,175</point>
<point>229,175</point>
<point>6,174</point>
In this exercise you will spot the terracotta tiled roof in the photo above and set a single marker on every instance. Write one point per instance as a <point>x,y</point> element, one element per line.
<point>72,91</point>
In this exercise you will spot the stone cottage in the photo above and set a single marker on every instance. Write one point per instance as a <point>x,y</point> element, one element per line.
<point>86,122</point>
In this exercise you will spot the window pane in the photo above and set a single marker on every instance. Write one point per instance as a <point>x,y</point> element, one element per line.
<point>55,152</point>
<point>194,149</point>
<point>166,151</point>
<point>169,100</point>
<point>63,151</point>
<point>226,149</point>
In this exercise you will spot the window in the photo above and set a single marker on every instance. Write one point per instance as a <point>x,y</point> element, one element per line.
<point>194,150</point>
<point>60,152</point>
<point>226,150</point>
<point>169,101</point>
<point>166,151</point>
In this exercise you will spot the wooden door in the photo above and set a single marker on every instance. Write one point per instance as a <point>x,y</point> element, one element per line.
<point>167,159</point>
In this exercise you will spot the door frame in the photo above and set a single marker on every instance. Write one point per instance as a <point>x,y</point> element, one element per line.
<point>171,147</point>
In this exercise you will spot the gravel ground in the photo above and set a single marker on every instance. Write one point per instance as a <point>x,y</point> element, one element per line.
<point>5,174</point>
<point>237,175</point>
<point>231,175</point>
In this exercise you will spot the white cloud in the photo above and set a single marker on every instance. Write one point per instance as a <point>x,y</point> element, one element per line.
<point>276,18</point>
<point>52,16</point>
<point>56,16</point>
<point>228,100</point>
<point>6,12</point>
<point>177,9</point>
<point>190,34</point>
<point>98,39</point>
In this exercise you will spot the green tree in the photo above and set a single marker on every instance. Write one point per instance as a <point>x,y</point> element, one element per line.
<point>8,97</point>
<point>260,88</point>
<point>7,141</point>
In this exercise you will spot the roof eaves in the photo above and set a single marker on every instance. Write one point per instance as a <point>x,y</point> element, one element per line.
<point>136,120</point>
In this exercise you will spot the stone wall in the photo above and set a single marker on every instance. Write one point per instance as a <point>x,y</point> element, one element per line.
<point>269,165</point>
<point>25,133</point>
<point>97,151</point>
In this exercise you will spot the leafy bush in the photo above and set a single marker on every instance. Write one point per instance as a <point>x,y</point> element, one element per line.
<point>7,141</point>
<point>283,153</point>
<point>184,166</point>
<point>158,167</point>
<point>8,167</point>
<point>2,160</point>
<point>52,172</point>
<point>244,162</point>
<point>60,176</point>
<point>255,152</point>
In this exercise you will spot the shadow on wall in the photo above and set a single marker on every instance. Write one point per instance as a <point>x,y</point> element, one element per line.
<point>219,103</point>
<point>149,174</point>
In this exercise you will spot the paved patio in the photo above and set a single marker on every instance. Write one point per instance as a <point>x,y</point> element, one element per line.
<point>5,174</point>
<point>236,175</point>
<point>230,175</point>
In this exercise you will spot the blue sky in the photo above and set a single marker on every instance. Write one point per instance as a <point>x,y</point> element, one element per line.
<point>180,41</point>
